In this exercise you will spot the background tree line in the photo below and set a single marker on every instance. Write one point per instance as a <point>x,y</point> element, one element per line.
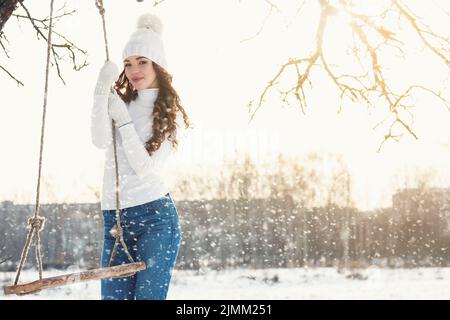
<point>286,213</point>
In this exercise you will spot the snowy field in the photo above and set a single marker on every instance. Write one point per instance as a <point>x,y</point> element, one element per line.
<point>284,284</point>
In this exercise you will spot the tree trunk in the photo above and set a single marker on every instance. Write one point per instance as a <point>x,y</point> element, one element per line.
<point>6,9</point>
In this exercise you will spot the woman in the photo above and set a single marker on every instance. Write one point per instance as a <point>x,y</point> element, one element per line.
<point>146,111</point>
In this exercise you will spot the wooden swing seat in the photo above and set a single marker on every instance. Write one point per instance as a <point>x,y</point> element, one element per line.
<point>124,270</point>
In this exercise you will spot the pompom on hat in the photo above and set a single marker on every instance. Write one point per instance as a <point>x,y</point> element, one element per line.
<point>147,41</point>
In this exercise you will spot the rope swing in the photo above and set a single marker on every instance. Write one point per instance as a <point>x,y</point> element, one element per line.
<point>36,223</point>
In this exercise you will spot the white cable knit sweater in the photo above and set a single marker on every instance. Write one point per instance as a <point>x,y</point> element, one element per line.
<point>140,179</point>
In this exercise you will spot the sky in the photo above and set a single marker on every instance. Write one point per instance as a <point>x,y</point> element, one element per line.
<point>221,58</point>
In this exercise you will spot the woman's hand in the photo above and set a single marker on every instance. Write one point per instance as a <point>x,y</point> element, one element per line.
<point>107,75</point>
<point>117,110</point>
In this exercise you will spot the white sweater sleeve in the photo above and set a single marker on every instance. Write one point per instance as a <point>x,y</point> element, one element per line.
<point>141,162</point>
<point>101,129</point>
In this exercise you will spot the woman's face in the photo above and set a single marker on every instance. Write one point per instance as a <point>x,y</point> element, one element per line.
<point>140,72</point>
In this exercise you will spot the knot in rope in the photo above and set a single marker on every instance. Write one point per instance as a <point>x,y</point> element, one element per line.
<point>116,231</point>
<point>99,5</point>
<point>36,223</point>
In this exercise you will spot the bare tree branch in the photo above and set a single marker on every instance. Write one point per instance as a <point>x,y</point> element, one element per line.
<point>420,32</point>
<point>19,83</point>
<point>55,18</point>
<point>60,48</point>
<point>6,9</point>
<point>370,86</point>
<point>3,37</point>
<point>309,62</point>
<point>272,8</point>
<point>40,24</point>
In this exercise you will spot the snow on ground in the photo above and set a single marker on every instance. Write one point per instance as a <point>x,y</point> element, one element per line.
<point>276,284</point>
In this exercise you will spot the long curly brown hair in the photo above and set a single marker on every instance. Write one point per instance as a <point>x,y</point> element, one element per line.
<point>167,105</point>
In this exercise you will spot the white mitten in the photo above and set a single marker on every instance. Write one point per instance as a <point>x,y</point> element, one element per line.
<point>118,110</point>
<point>107,75</point>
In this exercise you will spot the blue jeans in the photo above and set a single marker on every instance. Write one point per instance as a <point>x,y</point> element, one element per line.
<point>151,232</point>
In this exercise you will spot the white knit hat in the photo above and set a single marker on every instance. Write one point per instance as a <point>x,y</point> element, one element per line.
<point>146,41</point>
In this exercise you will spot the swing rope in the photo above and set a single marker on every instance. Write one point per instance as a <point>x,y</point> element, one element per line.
<point>101,10</point>
<point>36,223</point>
<point>117,230</point>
